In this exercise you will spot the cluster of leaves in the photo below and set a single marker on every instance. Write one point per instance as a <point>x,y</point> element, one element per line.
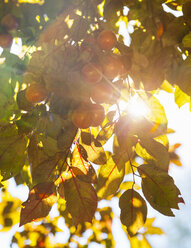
<point>40,145</point>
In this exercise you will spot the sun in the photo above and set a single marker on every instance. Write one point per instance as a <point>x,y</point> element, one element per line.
<point>135,107</point>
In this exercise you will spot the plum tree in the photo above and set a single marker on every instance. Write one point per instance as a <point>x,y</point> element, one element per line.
<point>64,100</point>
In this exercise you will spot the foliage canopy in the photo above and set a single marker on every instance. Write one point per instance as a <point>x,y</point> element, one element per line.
<point>63,132</point>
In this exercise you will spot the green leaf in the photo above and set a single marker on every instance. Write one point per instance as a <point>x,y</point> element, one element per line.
<point>110,177</point>
<point>51,125</point>
<point>159,189</point>
<point>133,211</point>
<point>43,164</point>
<point>39,203</point>
<point>45,171</point>
<point>26,123</point>
<point>35,151</point>
<point>49,145</point>
<point>12,155</point>
<point>66,135</point>
<point>149,149</point>
<point>81,200</point>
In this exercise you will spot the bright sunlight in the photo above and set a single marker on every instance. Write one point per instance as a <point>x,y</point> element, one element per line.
<point>136,107</point>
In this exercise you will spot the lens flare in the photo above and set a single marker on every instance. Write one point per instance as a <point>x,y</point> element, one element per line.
<point>136,107</point>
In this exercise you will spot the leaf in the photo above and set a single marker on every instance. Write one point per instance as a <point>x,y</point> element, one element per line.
<point>8,106</point>
<point>180,97</point>
<point>26,123</point>
<point>129,185</point>
<point>174,157</point>
<point>157,112</point>
<point>150,229</point>
<point>186,41</point>
<point>159,189</point>
<point>174,32</point>
<point>82,169</point>
<point>167,87</point>
<point>133,211</point>
<point>76,33</point>
<point>93,152</point>
<point>105,134</point>
<point>51,125</point>
<point>66,136</point>
<point>45,171</point>
<point>110,177</point>
<point>39,203</point>
<point>35,151</point>
<point>126,130</point>
<point>149,149</point>
<point>182,76</point>
<point>163,139</point>
<point>81,199</point>
<point>22,102</point>
<point>9,210</point>
<point>43,165</point>
<point>12,155</point>
<point>49,145</point>
<point>135,242</point>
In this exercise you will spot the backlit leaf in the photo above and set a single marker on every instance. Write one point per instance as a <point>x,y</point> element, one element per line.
<point>105,134</point>
<point>150,229</point>
<point>110,177</point>
<point>93,152</point>
<point>81,168</point>
<point>135,242</point>
<point>149,148</point>
<point>157,112</point>
<point>133,211</point>
<point>180,97</point>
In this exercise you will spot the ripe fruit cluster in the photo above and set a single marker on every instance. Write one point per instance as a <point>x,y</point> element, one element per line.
<point>36,93</point>
<point>8,24</point>
<point>97,66</point>
<point>88,115</point>
<point>103,66</point>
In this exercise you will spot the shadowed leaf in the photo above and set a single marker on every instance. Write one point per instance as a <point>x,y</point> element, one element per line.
<point>81,199</point>
<point>39,203</point>
<point>159,189</point>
